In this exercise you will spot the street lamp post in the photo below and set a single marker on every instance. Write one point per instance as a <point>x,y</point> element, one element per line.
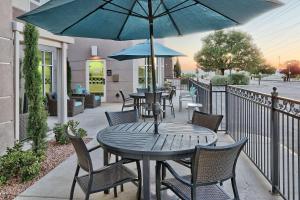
<point>229,60</point>
<point>289,75</point>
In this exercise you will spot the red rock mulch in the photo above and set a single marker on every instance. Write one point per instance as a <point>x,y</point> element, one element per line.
<point>55,155</point>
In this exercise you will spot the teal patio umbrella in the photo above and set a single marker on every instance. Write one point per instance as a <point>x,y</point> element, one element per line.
<point>143,50</point>
<point>143,19</point>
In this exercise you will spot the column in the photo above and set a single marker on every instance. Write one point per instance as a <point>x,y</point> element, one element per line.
<point>62,111</point>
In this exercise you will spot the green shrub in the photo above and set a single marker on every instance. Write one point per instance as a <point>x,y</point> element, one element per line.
<point>219,80</point>
<point>60,131</point>
<point>24,165</point>
<point>238,79</point>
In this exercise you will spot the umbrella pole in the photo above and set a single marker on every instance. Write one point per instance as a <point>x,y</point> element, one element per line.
<point>156,105</point>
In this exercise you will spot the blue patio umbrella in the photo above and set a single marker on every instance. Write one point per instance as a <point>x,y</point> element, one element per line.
<point>143,19</point>
<point>142,50</point>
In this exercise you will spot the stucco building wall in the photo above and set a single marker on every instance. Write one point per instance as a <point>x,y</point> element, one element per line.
<point>6,77</point>
<point>80,52</point>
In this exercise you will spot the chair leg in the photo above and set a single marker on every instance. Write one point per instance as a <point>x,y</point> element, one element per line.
<point>115,188</point>
<point>74,182</point>
<point>157,180</point>
<point>163,172</point>
<point>235,190</point>
<point>88,192</point>
<point>139,191</point>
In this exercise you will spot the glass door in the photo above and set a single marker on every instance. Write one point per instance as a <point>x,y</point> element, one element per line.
<point>45,68</point>
<point>96,77</point>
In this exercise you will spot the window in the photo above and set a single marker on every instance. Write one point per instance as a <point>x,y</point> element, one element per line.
<point>45,69</point>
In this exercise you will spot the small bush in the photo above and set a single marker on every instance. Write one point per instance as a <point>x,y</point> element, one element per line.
<point>24,165</point>
<point>238,79</point>
<point>60,131</point>
<point>219,80</point>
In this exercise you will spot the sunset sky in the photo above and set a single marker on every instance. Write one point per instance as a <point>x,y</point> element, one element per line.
<point>276,34</point>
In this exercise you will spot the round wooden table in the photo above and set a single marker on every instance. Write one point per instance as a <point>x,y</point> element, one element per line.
<point>138,141</point>
<point>138,96</point>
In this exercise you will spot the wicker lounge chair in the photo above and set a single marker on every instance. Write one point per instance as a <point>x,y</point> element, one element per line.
<point>102,179</point>
<point>90,100</point>
<point>75,105</point>
<point>211,165</point>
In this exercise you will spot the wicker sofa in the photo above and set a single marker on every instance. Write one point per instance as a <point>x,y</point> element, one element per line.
<point>75,105</point>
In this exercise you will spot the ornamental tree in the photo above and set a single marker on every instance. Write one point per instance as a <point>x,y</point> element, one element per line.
<point>37,122</point>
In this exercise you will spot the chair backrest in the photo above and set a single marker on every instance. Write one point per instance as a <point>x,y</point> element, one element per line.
<point>171,95</point>
<point>209,121</point>
<point>83,156</point>
<point>122,95</point>
<point>115,118</point>
<point>149,97</point>
<point>214,164</point>
<point>142,90</point>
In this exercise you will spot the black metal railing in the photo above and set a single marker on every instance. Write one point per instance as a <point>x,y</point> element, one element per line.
<point>270,122</point>
<point>212,98</point>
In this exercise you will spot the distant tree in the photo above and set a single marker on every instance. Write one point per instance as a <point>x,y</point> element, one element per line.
<point>228,50</point>
<point>177,69</point>
<point>263,68</point>
<point>292,66</point>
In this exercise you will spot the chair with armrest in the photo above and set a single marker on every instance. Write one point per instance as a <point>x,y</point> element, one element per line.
<point>209,121</point>
<point>127,101</point>
<point>210,166</point>
<point>75,105</point>
<point>102,179</point>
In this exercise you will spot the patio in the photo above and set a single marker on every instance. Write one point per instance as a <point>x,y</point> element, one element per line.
<point>56,185</point>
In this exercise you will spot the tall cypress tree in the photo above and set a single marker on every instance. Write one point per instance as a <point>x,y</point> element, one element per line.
<point>37,122</point>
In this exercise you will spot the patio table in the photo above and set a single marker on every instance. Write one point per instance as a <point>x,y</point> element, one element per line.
<point>138,96</point>
<point>137,141</point>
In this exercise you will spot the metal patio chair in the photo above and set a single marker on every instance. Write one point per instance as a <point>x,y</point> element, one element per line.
<point>209,121</point>
<point>170,99</point>
<point>102,179</point>
<point>147,109</point>
<point>116,118</point>
<point>127,101</point>
<point>210,166</point>
<point>206,120</point>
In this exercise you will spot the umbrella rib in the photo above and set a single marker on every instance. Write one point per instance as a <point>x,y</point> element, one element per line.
<point>198,2</point>
<point>171,18</point>
<point>157,8</point>
<point>118,6</point>
<point>170,9</point>
<point>84,17</point>
<point>139,16</point>
<point>127,17</point>
<point>142,7</point>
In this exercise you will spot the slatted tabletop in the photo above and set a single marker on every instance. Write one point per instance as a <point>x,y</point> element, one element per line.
<point>139,140</point>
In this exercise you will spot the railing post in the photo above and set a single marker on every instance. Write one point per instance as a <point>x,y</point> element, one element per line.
<point>210,98</point>
<point>226,108</point>
<point>274,142</point>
